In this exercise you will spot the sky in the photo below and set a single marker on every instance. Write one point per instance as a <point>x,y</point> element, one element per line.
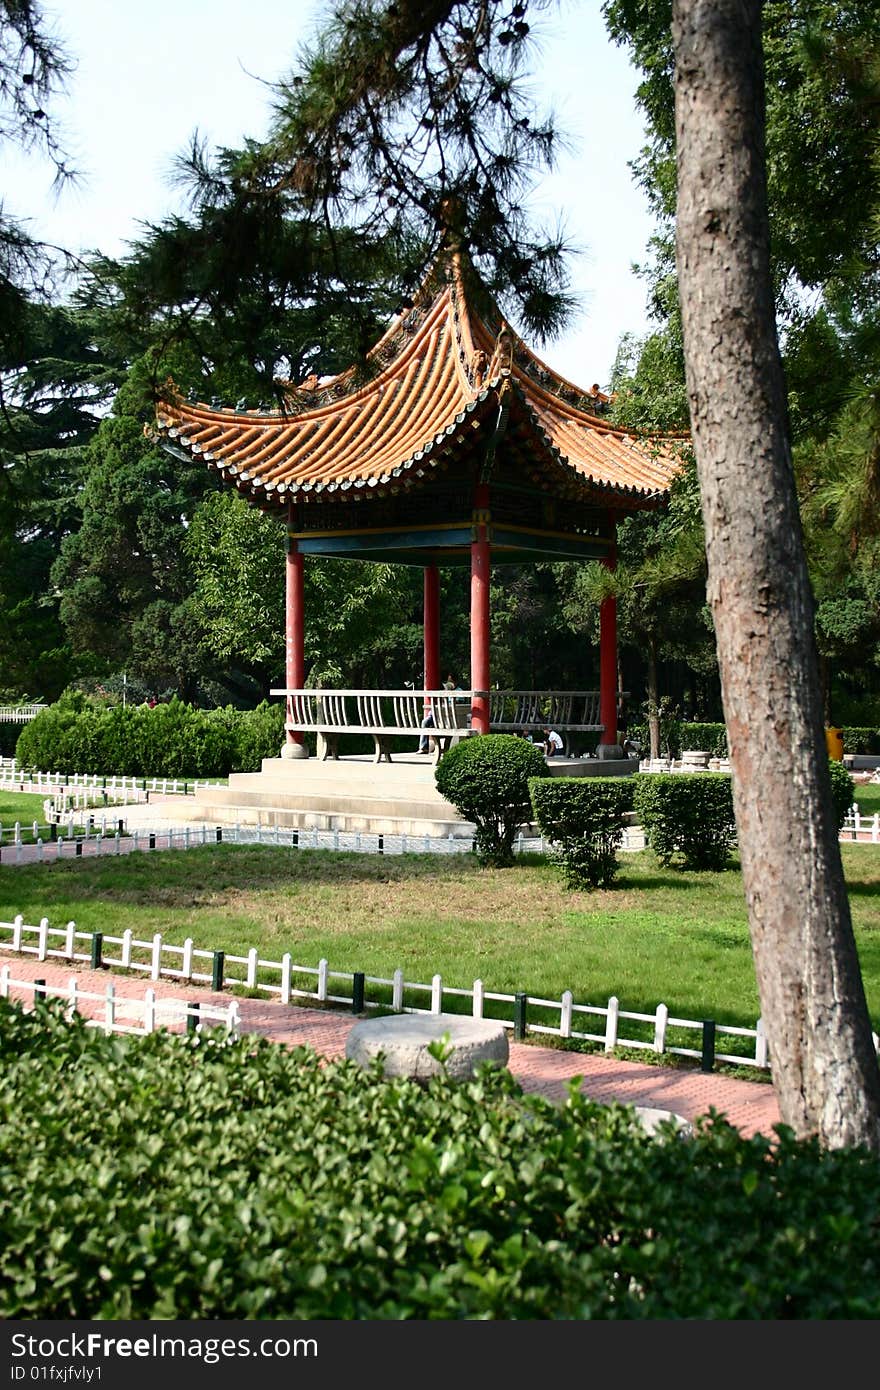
<point>148,75</point>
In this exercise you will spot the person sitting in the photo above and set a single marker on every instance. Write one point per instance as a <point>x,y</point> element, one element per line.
<point>553,744</point>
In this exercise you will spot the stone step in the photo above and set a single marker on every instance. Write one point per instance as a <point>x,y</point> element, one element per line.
<point>284,788</point>
<point>412,771</point>
<point>331,800</point>
<point>349,794</point>
<point>322,817</point>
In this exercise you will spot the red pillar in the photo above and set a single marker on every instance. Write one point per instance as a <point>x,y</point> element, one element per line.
<point>608,652</point>
<point>294,630</point>
<point>480,609</point>
<point>432,628</point>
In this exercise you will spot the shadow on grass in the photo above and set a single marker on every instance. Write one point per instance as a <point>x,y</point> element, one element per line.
<point>151,876</point>
<point>674,876</point>
<point>861,888</point>
<point>626,884</point>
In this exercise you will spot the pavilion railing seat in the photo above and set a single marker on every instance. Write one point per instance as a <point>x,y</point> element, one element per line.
<point>389,714</point>
<point>530,711</point>
<point>382,714</point>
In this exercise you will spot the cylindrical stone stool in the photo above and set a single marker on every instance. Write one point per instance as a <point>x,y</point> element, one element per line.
<point>651,1118</point>
<point>404,1039</point>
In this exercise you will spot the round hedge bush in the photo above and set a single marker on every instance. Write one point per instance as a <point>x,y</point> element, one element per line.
<point>486,778</point>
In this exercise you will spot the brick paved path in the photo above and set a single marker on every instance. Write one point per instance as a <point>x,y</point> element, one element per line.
<point>750,1105</point>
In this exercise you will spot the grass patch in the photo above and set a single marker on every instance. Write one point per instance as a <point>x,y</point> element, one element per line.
<point>658,935</point>
<point>25,807</point>
<point>868,798</point>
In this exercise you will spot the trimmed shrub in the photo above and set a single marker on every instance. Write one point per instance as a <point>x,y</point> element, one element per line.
<point>708,738</point>
<point>684,737</point>
<point>486,778</point>
<point>171,740</point>
<point>687,814</point>
<point>866,741</point>
<point>47,742</point>
<point>259,734</point>
<point>584,817</point>
<point>843,792</point>
<point>182,1178</point>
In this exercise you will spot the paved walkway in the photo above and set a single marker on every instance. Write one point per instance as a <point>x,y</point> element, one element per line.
<point>750,1105</point>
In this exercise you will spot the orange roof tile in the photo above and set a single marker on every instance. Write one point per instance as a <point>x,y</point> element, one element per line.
<point>437,365</point>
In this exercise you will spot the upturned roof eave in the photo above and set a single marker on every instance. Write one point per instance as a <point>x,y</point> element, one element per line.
<point>579,470</point>
<point>429,455</point>
<point>409,468</point>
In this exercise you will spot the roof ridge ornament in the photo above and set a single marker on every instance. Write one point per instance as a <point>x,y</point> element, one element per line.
<point>479,365</point>
<point>488,463</point>
<point>502,357</point>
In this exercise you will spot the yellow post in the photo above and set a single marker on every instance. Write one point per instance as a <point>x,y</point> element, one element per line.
<point>834,744</point>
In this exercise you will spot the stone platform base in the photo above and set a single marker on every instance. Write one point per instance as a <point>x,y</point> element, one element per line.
<point>403,1041</point>
<point>592,767</point>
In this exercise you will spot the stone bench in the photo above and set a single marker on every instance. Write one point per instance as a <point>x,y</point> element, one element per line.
<point>403,1041</point>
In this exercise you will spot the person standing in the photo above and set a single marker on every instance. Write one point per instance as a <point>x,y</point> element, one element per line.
<point>429,721</point>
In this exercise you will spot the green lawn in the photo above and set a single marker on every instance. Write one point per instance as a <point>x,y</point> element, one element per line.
<point>23,807</point>
<point>657,936</point>
<point>868,798</point>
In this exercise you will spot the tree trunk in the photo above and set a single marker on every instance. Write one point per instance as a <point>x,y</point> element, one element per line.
<point>825,683</point>
<point>653,700</point>
<point>812,998</point>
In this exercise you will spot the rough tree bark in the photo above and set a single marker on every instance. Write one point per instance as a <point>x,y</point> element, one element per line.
<point>653,699</point>
<point>812,998</point>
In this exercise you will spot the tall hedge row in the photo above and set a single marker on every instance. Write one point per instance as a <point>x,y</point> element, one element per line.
<point>169,1178</point>
<point>687,815</point>
<point>712,738</point>
<point>171,740</point>
<point>682,737</point>
<point>865,741</point>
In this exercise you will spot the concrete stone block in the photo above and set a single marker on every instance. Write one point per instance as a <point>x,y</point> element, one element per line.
<point>403,1041</point>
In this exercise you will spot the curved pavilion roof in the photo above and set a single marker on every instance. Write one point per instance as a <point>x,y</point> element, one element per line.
<point>441,385</point>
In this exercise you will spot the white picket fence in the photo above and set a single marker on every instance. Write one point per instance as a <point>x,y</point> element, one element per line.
<point>15,778</point>
<point>101,839</point>
<point>116,790</point>
<point>113,1009</point>
<point>20,714</point>
<point>859,827</point>
<point>285,981</point>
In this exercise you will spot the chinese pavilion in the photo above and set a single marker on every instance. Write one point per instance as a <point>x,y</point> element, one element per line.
<point>455,445</point>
